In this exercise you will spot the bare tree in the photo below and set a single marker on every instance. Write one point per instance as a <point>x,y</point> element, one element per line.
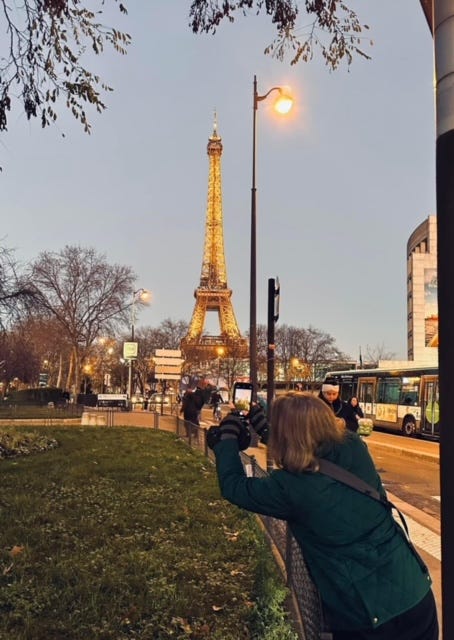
<point>16,294</point>
<point>312,347</point>
<point>379,352</point>
<point>87,296</point>
<point>171,333</point>
<point>332,26</point>
<point>149,340</point>
<point>42,58</point>
<point>46,345</point>
<point>18,360</point>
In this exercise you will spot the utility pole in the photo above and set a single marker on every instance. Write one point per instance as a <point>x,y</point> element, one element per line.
<point>443,33</point>
<point>273,316</point>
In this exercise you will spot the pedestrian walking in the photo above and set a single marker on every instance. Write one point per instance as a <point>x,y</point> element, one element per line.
<point>191,407</point>
<point>373,585</point>
<point>342,410</point>
<point>353,402</point>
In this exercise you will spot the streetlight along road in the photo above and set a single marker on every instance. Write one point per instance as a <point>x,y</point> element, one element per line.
<point>283,105</point>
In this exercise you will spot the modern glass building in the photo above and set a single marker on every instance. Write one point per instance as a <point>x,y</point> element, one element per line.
<point>422,307</point>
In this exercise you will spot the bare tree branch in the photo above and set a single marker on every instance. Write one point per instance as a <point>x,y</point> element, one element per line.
<point>333,27</point>
<point>43,57</point>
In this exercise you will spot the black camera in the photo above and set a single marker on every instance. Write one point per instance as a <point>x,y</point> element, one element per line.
<point>244,437</point>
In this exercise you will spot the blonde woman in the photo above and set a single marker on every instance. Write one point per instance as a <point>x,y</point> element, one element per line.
<point>371,584</point>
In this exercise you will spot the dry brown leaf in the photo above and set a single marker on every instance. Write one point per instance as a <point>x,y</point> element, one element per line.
<point>183,624</point>
<point>231,535</point>
<point>203,630</point>
<point>16,550</point>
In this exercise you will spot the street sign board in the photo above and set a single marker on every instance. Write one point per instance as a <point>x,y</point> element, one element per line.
<point>168,364</point>
<point>173,361</point>
<point>130,350</point>
<point>168,376</point>
<point>166,368</point>
<point>169,353</point>
<point>43,379</point>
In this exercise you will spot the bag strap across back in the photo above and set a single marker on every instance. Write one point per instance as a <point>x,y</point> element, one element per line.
<point>351,480</point>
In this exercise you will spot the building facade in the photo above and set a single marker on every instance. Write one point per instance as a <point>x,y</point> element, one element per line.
<point>422,287</point>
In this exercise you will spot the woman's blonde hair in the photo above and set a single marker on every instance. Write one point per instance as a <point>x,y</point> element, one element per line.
<point>300,424</point>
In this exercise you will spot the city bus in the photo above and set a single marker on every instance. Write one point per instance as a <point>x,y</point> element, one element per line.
<point>112,401</point>
<point>405,400</point>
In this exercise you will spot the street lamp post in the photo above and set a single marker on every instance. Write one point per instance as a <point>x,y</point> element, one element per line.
<point>282,105</point>
<point>220,352</point>
<point>87,372</point>
<point>142,295</point>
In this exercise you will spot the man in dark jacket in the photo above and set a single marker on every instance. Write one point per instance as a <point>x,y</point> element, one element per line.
<point>190,408</point>
<point>341,409</point>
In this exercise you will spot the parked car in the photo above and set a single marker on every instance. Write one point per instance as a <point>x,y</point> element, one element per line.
<point>137,401</point>
<point>159,399</point>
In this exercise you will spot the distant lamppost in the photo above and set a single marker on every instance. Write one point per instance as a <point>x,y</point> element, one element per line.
<point>122,365</point>
<point>106,362</point>
<point>282,105</point>
<point>220,352</point>
<point>144,296</point>
<point>87,371</point>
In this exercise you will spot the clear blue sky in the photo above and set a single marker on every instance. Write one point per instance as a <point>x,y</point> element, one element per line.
<point>341,185</point>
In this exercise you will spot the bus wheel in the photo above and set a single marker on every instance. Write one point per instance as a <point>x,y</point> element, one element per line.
<point>409,427</point>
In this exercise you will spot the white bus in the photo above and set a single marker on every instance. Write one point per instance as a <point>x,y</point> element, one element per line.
<point>112,401</point>
<point>405,400</point>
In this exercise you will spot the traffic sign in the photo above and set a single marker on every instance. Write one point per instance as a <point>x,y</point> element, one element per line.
<point>43,379</point>
<point>168,364</point>
<point>170,353</point>
<point>168,376</point>
<point>172,361</point>
<point>166,369</point>
<point>130,350</point>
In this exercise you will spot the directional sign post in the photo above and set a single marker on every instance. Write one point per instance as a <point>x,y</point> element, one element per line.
<point>168,364</point>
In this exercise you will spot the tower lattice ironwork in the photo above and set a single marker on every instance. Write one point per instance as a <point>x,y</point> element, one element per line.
<point>213,293</point>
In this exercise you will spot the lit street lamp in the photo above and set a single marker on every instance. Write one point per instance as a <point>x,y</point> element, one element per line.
<point>144,296</point>
<point>87,373</point>
<point>282,105</point>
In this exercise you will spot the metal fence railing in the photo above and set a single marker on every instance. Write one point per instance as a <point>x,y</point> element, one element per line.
<point>10,411</point>
<point>306,607</point>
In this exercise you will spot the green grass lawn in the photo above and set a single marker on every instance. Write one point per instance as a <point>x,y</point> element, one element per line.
<point>121,533</point>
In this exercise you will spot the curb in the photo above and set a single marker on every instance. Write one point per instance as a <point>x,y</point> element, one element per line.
<point>408,453</point>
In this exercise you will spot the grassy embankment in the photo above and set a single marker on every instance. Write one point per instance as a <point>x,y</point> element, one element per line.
<point>121,533</point>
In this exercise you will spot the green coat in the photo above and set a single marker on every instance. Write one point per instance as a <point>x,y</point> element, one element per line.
<point>356,553</point>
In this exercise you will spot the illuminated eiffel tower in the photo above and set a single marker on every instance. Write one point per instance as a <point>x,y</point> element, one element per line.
<point>213,294</point>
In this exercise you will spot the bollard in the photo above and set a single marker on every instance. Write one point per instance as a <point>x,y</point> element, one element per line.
<point>100,420</point>
<point>85,419</point>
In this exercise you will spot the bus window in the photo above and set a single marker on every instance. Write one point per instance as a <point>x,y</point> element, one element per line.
<point>389,390</point>
<point>410,391</point>
<point>347,387</point>
<point>366,392</point>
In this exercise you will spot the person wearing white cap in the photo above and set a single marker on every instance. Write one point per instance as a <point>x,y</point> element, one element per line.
<point>342,410</point>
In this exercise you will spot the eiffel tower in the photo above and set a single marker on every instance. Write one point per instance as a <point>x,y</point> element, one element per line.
<point>213,294</point>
